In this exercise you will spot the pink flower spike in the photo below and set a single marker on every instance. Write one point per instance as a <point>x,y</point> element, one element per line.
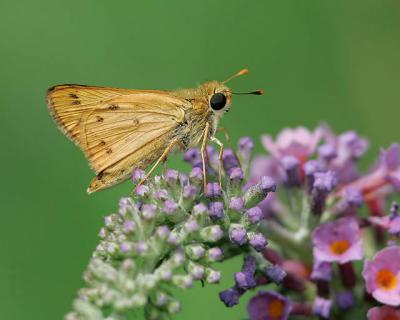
<point>338,241</point>
<point>383,313</point>
<point>382,276</point>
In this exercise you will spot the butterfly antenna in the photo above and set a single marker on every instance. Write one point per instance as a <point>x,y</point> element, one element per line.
<point>240,73</point>
<point>257,92</point>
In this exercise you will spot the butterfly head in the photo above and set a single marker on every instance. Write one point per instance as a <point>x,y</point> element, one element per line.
<point>220,96</point>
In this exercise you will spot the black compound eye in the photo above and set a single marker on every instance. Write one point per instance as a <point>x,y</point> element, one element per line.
<point>218,101</point>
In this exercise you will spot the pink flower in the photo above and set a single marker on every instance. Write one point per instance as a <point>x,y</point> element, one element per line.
<point>269,305</point>
<point>298,142</point>
<point>382,276</point>
<point>383,313</point>
<point>338,241</point>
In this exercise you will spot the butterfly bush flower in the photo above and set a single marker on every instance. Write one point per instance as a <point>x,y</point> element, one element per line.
<point>317,235</point>
<point>170,234</point>
<point>382,276</point>
<point>383,313</point>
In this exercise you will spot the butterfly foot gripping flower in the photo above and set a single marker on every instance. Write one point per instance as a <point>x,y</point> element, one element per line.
<point>170,234</point>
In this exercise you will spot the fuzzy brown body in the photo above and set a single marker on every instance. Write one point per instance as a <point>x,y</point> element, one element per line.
<point>119,129</point>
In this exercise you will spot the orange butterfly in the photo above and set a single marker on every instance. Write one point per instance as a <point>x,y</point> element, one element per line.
<point>120,129</point>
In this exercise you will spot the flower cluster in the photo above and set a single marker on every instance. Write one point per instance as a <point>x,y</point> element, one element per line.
<point>170,233</point>
<point>324,245</point>
<point>328,229</point>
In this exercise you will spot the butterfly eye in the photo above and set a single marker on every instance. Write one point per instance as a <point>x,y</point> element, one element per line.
<point>218,101</point>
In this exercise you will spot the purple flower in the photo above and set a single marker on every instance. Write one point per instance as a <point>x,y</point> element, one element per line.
<point>327,152</point>
<point>324,183</point>
<point>129,226</point>
<point>339,241</point>
<point>213,190</point>
<point>191,225</point>
<point>236,174</point>
<point>193,157</point>
<point>310,168</point>
<point>215,254</point>
<point>142,190</point>
<point>246,146</point>
<point>322,270</point>
<point>170,206</point>
<point>189,191</point>
<point>345,300</point>
<point>390,222</point>
<point>199,209</point>
<point>230,161</point>
<point>230,297</point>
<point>322,307</point>
<point>137,175</point>
<point>275,273</point>
<point>196,175</point>
<point>238,235</point>
<point>382,276</point>
<point>216,210</point>
<point>149,211</point>
<point>161,194</point>
<point>245,278</point>
<point>298,142</point>
<point>383,313</point>
<point>258,241</point>
<point>236,204</point>
<point>269,305</point>
<point>171,176</point>
<point>254,214</point>
<point>291,165</point>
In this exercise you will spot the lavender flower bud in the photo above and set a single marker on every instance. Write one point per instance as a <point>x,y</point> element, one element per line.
<point>258,192</point>
<point>246,146</point>
<point>291,165</point>
<point>229,161</point>
<point>321,271</point>
<point>141,247</point>
<point>244,280</point>
<point>322,307</point>
<point>199,209</point>
<point>189,191</point>
<point>149,211</point>
<point>354,198</point>
<point>193,157</point>
<point>195,252</point>
<point>275,274</point>
<point>230,297</point>
<point>191,225</point>
<point>212,276</point>
<point>345,300</point>
<point>173,307</point>
<point>138,175</point>
<point>142,190</point>
<point>171,176</point>
<point>126,247</point>
<point>236,204</point>
<point>216,210</point>
<point>214,254</point>
<point>213,190</point>
<point>254,215</point>
<point>211,233</point>
<point>238,235</point>
<point>170,206</point>
<point>128,226</point>
<point>324,183</point>
<point>257,241</point>
<point>162,232</point>
<point>236,174</point>
<point>327,152</point>
<point>161,194</point>
<point>310,168</point>
<point>196,175</point>
<point>196,270</point>
<point>174,238</point>
<point>182,281</point>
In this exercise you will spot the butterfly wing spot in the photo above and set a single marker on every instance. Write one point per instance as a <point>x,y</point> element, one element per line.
<point>113,107</point>
<point>73,96</point>
<point>75,102</point>
<point>108,150</point>
<point>99,119</point>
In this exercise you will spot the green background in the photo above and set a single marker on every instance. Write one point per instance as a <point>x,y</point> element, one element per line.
<point>337,61</point>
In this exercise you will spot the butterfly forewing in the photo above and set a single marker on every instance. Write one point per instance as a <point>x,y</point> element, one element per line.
<point>117,129</point>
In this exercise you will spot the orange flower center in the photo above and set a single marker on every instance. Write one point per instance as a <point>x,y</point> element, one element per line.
<point>386,279</point>
<point>339,246</point>
<point>275,308</point>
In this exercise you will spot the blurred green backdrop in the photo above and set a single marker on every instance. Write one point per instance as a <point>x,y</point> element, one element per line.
<point>336,61</point>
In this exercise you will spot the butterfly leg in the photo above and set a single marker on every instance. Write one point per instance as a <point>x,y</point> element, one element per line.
<point>221,154</point>
<point>160,159</point>
<point>227,136</point>
<point>204,154</point>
